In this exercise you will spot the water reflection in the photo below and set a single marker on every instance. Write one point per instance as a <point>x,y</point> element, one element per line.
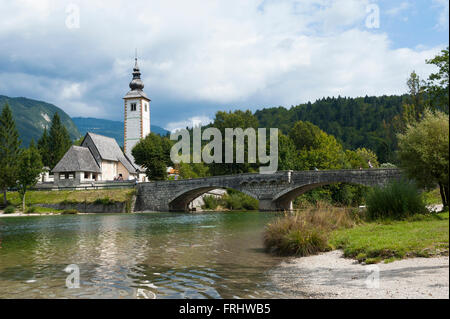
<point>160,255</point>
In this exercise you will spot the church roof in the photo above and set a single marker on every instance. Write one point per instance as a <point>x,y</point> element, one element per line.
<point>77,159</point>
<point>136,94</point>
<point>109,150</point>
<point>136,84</point>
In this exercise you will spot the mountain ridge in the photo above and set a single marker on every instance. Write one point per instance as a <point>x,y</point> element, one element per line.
<point>32,116</point>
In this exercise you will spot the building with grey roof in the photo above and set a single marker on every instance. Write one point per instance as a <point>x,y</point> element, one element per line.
<point>99,158</point>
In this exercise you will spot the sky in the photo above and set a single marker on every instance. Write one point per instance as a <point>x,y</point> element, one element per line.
<point>198,57</point>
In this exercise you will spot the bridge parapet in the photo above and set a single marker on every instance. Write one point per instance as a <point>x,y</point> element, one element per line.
<point>274,191</point>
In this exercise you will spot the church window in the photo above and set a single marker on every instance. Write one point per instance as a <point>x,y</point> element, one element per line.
<point>145,107</point>
<point>133,106</point>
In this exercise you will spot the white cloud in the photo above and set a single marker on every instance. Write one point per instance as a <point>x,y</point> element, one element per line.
<point>227,53</point>
<point>71,91</point>
<point>398,9</point>
<point>191,122</point>
<point>443,14</point>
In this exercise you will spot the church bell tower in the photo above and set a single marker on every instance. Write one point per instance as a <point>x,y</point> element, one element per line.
<point>137,113</point>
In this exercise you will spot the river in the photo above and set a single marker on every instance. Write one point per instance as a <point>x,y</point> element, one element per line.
<point>145,255</point>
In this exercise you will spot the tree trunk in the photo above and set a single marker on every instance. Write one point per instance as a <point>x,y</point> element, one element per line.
<point>5,201</point>
<point>444,194</point>
<point>23,203</point>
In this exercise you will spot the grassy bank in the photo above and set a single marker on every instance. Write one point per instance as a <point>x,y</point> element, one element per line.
<point>396,224</point>
<point>419,236</point>
<point>307,232</point>
<point>101,196</point>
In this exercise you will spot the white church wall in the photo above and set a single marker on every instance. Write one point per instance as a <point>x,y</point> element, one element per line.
<point>132,125</point>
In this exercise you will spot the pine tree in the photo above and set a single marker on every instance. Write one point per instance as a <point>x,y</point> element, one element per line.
<point>9,151</point>
<point>59,141</point>
<point>44,148</point>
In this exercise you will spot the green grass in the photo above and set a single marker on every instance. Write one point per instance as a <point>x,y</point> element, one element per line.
<point>418,236</point>
<point>55,197</point>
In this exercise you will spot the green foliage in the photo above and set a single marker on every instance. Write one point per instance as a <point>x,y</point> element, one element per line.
<point>424,152</point>
<point>30,166</point>
<point>233,200</point>
<point>211,202</point>
<point>30,210</point>
<point>58,142</point>
<point>192,170</point>
<point>236,119</point>
<point>306,136</point>
<point>287,153</point>
<point>153,153</point>
<point>104,201</point>
<point>9,209</point>
<point>71,197</point>
<point>437,86</point>
<point>9,150</point>
<point>315,148</point>
<point>397,200</point>
<point>44,149</point>
<point>356,122</point>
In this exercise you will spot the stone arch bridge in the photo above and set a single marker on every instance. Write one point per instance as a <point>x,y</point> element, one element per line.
<point>274,191</point>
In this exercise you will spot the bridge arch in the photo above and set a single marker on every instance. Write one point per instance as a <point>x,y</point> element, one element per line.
<point>283,200</point>
<point>180,202</point>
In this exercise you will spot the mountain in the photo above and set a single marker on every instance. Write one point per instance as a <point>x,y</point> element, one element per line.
<point>31,116</point>
<point>109,128</point>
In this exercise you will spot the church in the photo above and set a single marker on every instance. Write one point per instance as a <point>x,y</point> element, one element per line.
<point>99,158</point>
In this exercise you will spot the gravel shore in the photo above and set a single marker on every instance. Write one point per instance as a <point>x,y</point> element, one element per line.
<point>329,275</point>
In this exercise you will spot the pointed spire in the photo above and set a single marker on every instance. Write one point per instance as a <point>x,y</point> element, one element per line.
<point>136,83</point>
<point>136,67</point>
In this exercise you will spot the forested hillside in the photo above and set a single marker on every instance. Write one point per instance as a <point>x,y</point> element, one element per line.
<point>32,116</point>
<point>355,122</point>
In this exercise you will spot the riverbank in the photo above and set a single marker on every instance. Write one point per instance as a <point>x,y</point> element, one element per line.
<point>330,275</point>
<point>86,201</point>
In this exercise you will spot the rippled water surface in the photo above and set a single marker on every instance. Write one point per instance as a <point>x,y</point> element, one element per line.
<point>162,255</point>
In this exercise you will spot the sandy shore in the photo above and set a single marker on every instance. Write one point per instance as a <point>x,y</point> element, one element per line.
<point>329,275</point>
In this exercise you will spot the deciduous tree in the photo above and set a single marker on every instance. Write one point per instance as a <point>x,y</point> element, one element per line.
<point>424,152</point>
<point>150,153</point>
<point>30,166</point>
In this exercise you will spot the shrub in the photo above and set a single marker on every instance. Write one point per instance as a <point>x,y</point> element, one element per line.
<point>69,202</point>
<point>69,212</point>
<point>235,200</point>
<point>9,210</point>
<point>397,200</point>
<point>211,202</point>
<point>307,232</point>
<point>104,201</point>
<point>30,210</point>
